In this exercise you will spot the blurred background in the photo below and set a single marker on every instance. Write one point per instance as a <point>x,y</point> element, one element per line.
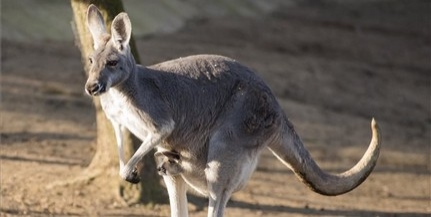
<point>333,65</point>
<point>147,16</point>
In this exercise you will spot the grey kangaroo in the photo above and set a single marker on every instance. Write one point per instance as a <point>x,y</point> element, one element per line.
<point>215,113</point>
<point>168,163</point>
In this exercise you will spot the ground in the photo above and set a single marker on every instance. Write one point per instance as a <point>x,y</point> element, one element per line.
<point>332,67</point>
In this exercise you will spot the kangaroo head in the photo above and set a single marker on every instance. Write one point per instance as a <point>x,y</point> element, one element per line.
<point>111,62</point>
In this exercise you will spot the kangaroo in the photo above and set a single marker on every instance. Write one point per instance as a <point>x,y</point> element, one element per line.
<point>216,113</point>
<point>168,163</point>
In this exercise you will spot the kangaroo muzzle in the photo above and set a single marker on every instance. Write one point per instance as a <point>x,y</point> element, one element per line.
<point>94,89</point>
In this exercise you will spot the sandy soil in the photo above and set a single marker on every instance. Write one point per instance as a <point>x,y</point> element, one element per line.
<point>333,67</point>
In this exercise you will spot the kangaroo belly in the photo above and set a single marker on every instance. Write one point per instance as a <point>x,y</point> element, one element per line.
<point>192,162</point>
<point>196,184</point>
<point>194,177</point>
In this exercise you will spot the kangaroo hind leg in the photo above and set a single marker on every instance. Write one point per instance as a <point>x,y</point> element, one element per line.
<point>229,166</point>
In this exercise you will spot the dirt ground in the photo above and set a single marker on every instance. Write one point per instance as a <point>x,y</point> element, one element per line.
<point>332,67</point>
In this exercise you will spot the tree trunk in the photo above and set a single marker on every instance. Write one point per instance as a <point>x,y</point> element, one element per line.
<point>103,169</point>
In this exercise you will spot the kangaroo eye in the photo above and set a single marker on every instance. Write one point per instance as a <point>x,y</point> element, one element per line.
<point>90,60</point>
<point>112,63</point>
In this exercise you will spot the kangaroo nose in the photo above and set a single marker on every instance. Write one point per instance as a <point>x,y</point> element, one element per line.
<point>93,89</point>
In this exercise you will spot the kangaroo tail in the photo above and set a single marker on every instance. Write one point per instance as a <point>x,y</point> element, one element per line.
<point>289,149</point>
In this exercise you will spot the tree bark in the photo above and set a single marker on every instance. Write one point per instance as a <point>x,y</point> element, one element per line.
<point>103,169</point>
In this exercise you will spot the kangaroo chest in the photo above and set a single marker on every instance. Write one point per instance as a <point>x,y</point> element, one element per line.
<point>119,109</point>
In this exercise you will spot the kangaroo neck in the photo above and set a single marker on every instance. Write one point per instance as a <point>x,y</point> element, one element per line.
<point>129,86</point>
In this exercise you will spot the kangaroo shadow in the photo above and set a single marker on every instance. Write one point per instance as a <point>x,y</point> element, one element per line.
<point>201,203</point>
<point>312,211</point>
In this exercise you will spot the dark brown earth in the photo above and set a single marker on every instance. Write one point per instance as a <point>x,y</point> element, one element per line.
<point>333,67</point>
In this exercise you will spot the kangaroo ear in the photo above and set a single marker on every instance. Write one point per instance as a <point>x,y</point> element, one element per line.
<point>121,31</point>
<point>96,25</point>
<point>172,155</point>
